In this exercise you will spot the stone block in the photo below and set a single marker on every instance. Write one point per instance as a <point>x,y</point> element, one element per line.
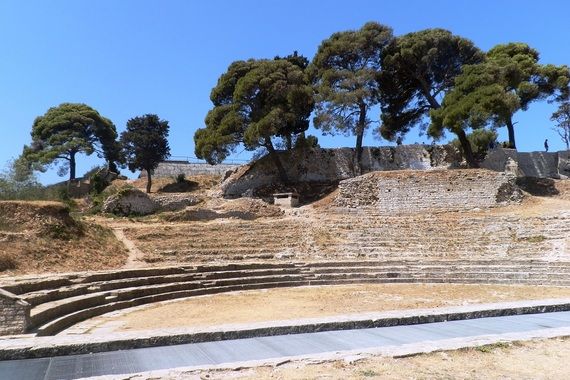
<point>411,191</point>
<point>14,314</point>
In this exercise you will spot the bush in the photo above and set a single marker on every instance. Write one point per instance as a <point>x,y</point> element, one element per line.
<point>181,178</point>
<point>7,262</point>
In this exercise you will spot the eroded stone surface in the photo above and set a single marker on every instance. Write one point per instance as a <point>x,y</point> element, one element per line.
<point>412,191</point>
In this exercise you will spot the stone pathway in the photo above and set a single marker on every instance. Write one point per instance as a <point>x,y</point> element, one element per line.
<point>413,338</point>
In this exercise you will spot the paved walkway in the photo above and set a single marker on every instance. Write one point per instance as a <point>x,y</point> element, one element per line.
<point>271,347</point>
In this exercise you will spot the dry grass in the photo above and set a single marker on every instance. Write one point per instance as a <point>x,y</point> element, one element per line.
<point>43,237</point>
<point>541,359</point>
<point>307,302</point>
<point>203,182</point>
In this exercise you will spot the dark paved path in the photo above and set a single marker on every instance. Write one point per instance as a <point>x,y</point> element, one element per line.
<point>222,352</point>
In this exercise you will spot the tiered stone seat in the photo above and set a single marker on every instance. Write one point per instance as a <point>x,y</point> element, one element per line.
<point>340,234</point>
<point>63,300</point>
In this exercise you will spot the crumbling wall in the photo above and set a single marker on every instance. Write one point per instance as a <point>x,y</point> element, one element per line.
<point>413,191</point>
<point>14,314</point>
<point>332,165</point>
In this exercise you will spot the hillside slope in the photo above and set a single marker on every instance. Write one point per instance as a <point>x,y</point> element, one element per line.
<point>43,237</point>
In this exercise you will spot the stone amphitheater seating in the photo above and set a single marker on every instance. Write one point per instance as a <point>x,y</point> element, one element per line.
<point>363,233</point>
<point>59,301</point>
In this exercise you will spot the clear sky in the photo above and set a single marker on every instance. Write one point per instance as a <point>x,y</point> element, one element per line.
<point>130,57</point>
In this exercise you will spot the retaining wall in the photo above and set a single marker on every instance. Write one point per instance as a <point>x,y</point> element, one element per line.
<point>530,164</point>
<point>332,165</point>
<point>174,168</point>
<point>412,190</point>
<point>14,314</point>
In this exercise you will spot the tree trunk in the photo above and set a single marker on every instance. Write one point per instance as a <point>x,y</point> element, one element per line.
<point>466,146</point>
<point>148,180</point>
<point>511,129</point>
<point>275,157</point>
<point>71,166</point>
<point>359,137</point>
<point>289,142</point>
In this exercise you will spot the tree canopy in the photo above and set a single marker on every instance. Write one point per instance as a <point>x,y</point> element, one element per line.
<point>344,72</point>
<point>491,92</point>
<point>418,69</point>
<point>145,144</point>
<point>256,101</point>
<point>562,118</point>
<point>68,129</point>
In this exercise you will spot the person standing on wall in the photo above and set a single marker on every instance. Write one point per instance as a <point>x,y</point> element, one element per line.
<point>546,145</point>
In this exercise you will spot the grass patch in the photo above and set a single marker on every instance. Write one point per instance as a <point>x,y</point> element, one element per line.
<point>533,239</point>
<point>488,348</point>
<point>369,373</point>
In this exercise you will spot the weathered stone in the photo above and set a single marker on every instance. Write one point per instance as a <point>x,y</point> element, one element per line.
<point>175,168</point>
<point>174,202</point>
<point>14,314</point>
<point>529,164</point>
<point>332,165</point>
<point>411,191</point>
<point>130,202</point>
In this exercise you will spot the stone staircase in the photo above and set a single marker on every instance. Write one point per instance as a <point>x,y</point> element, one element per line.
<point>59,301</point>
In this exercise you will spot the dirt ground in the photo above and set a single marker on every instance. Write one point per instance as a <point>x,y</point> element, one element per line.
<point>39,237</point>
<point>540,359</point>
<point>306,302</point>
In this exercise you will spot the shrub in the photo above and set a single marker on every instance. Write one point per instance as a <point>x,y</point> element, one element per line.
<point>7,262</point>
<point>181,178</point>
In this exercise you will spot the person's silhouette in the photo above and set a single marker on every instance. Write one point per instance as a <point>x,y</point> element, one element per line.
<point>546,145</point>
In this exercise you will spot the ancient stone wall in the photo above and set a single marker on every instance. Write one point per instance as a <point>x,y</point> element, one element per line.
<point>331,165</point>
<point>530,164</point>
<point>14,314</point>
<point>174,168</point>
<point>413,191</point>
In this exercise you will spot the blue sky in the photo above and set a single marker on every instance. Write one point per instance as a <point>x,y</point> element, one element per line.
<point>131,57</point>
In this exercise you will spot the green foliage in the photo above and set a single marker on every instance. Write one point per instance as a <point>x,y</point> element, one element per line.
<point>181,178</point>
<point>255,101</point>
<point>19,183</point>
<point>562,119</point>
<point>369,373</point>
<point>66,130</point>
<point>480,140</point>
<point>296,59</point>
<point>344,72</point>
<point>145,144</point>
<point>98,182</point>
<point>307,142</point>
<point>489,348</point>
<point>417,69</point>
<point>491,92</point>
<point>97,200</point>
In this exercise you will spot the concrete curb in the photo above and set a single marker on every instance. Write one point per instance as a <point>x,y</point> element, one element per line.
<point>25,348</point>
